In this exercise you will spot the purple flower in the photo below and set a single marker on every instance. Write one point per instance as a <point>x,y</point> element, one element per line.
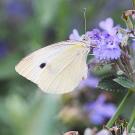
<point>15,8</point>
<point>92,82</point>
<point>97,110</point>
<point>94,36</point>
<point>108,26</point>
<point>3,48</point>
<point>107,46</point>
<point>75,35</point>
<point>106,41</point>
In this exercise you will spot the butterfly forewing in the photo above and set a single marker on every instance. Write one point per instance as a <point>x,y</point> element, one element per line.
<point>57,68</point>
<point>30,66</point>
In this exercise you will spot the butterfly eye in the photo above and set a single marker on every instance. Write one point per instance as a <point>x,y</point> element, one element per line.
<point>42,65</point>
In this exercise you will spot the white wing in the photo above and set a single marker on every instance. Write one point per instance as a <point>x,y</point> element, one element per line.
<point>64,66</point>
<point>29,67</point>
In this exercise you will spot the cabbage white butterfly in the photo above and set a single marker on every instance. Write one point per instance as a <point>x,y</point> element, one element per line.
<point>58,68</point>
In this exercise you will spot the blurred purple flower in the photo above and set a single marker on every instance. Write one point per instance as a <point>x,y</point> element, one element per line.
<point>75,35</point>
<point>3,48</point>
<point>15,8</point>
<point>97,110</point>
<point>92,82</point>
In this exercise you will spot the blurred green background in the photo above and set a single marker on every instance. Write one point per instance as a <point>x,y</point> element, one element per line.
<point>27,25</point>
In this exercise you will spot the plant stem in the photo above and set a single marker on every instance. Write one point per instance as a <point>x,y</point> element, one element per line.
<point>133,2</point>
<point>132,120</point>
<point>119,109</point>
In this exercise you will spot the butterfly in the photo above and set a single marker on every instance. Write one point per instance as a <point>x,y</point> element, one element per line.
<point>57,68</point>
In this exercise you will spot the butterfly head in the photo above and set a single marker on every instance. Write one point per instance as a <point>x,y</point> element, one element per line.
<point>86,39</point>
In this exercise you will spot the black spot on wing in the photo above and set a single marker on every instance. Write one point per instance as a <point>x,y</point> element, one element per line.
<point>42,65</point>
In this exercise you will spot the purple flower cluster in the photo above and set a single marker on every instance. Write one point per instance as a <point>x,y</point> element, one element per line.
<point>17,9</point>
<point>75,35</point>
<point>106,42</point>
<point>99,110</point>
<point>91,82</point>
<point>107,46</point>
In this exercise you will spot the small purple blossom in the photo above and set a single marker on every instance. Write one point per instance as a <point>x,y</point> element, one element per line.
<point>3,48</point>
<point>92,82</point>
<point>108,26</point>
<point>18,9</point>
<point>97,110</point>
<point>75,35</point>
<point>95,36</point>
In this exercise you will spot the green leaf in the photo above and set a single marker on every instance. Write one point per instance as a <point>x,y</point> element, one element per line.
<point>125,82</point>
<point>108,84</point>
<point>101,70</point>
<point>45,10</point>
<point>42,117</point>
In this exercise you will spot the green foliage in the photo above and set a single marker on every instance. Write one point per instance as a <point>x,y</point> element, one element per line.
<point>7,66</point>
<point>108,84</point>
<point>42,116</point>
<point>103,70</point>
<point>125,82</point>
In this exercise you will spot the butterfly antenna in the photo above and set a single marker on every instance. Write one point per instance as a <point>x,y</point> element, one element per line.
<point>85,21</point>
